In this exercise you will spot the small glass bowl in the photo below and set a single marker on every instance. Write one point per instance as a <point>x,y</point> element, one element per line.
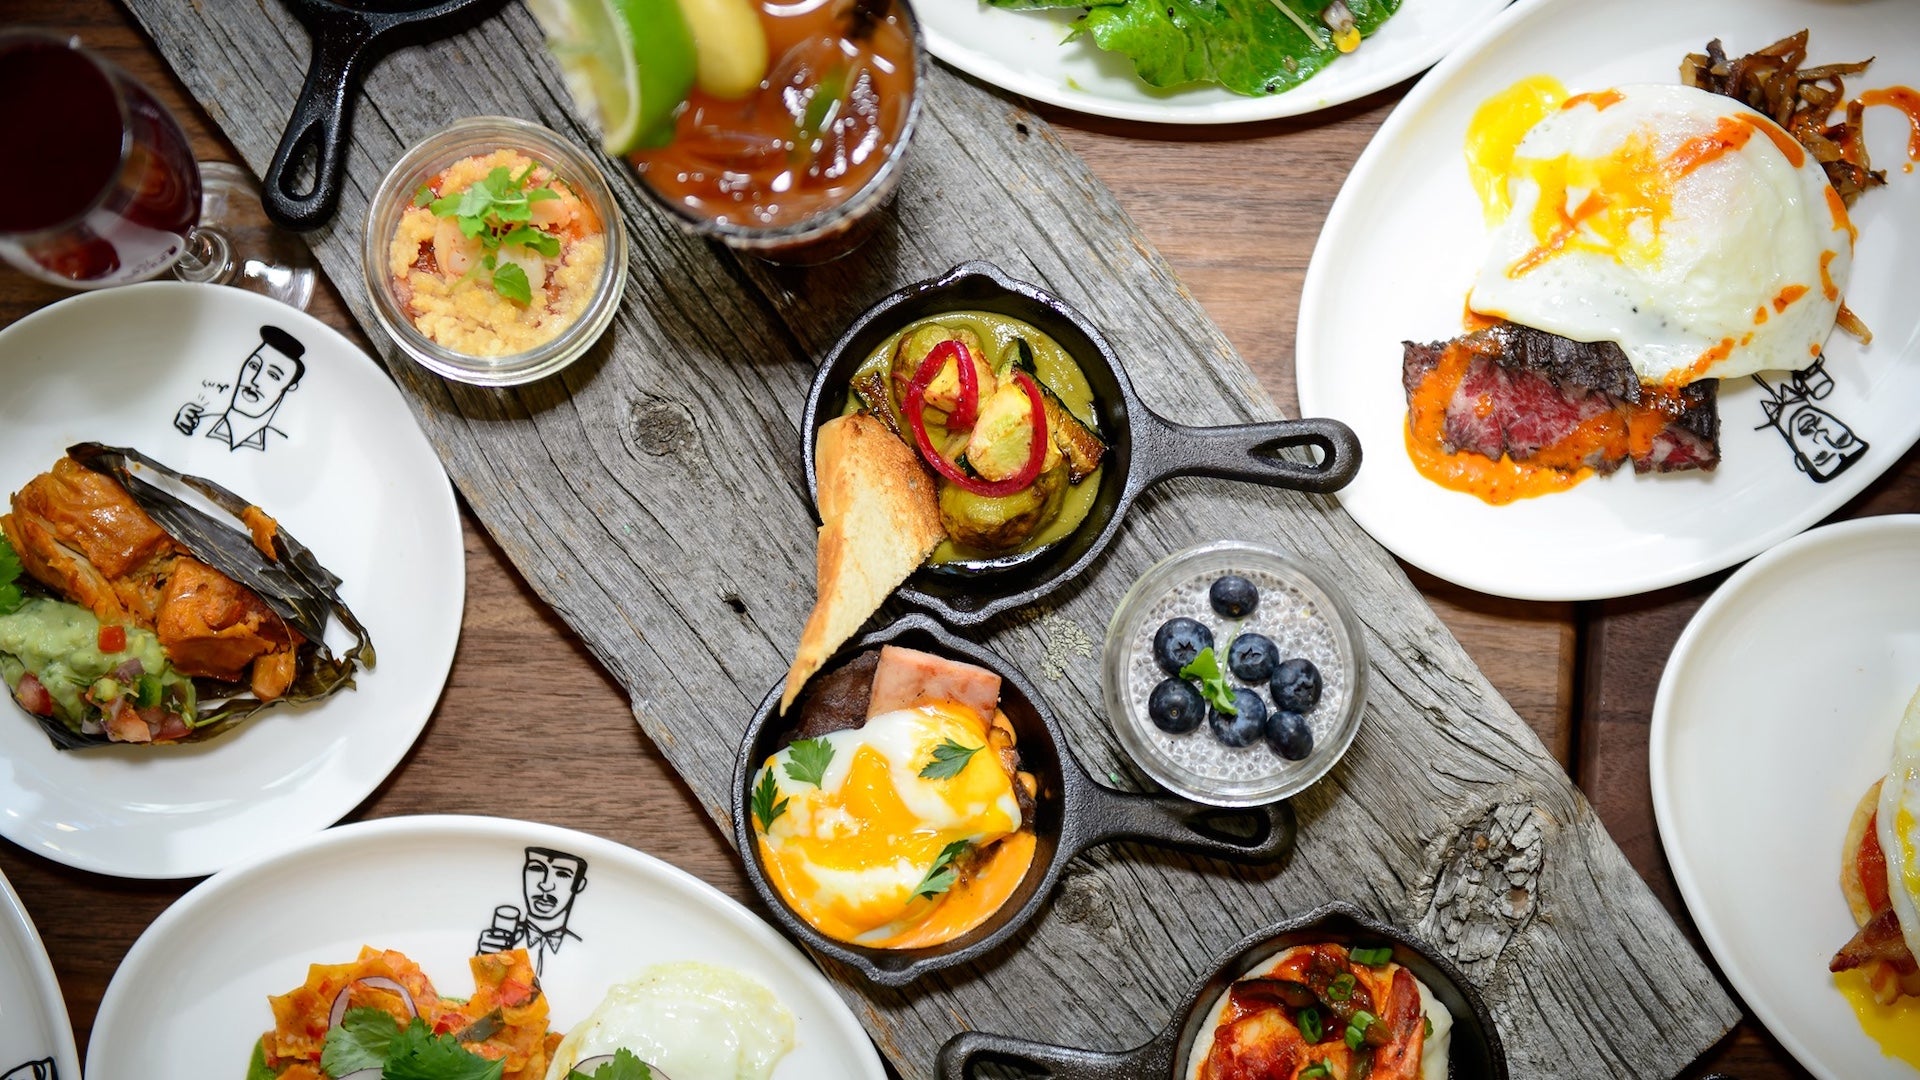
<point>467,138</point>
<point>1304,615</point>
<point>837,230</point>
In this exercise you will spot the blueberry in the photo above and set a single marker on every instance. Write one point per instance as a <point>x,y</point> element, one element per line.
<point>1176,707</point>
<point>1234,597</point>
<point>1244,728</point>
<point>1178,641</point>
<point>1296,685</point>
<point>1251,657</point>
<point>1289,735</point>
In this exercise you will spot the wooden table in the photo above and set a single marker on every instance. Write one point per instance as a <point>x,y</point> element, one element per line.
<point>1582,674</point>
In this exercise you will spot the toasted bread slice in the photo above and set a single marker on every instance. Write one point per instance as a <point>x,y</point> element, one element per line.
<point>880,520</point>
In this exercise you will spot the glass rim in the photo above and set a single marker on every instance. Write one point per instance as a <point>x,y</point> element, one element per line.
<point>751,237</point>
<point>109,71</point>
<point>527,365</point>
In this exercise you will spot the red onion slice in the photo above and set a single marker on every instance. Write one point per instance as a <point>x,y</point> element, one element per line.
<point>378,982</point>
<point>130,671</point>
<point>586,1066</point>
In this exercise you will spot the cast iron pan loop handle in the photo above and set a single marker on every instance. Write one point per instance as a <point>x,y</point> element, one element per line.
<point>1247,452</point>
<point>964,1050</point>
<point>1254,834</point>
<point>318,126</point>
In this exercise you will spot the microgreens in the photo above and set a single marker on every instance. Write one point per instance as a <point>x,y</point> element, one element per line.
<point>496,210</point>
<point>948,759</point>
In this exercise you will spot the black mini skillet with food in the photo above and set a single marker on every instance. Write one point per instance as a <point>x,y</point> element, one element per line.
<point>1143,447</point>
<point>347,36</point>
<point>1475,1053</point>
<point>1071,812</point>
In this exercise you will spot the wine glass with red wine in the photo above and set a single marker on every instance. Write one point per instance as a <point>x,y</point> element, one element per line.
<point>102,189</point>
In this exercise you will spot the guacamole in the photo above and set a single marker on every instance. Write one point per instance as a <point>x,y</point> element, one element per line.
<point>59,644</point>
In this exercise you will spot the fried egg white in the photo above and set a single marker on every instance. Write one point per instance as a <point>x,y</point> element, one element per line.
<point>1898,825</point>
<point>1685,227</point>
<point>690,1021</point>
<point>852,852</point>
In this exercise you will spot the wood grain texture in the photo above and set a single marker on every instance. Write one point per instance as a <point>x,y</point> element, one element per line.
<point>653,490</point>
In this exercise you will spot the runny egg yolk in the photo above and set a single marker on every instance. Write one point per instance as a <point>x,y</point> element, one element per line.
<point>1896,1027</point>
<point>1495,132</point>
<point>864,855</point>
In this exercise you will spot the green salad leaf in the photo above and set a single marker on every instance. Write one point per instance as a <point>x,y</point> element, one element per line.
<point>624,1066</point>
<point>1252,47</point>
<point>10,570</point>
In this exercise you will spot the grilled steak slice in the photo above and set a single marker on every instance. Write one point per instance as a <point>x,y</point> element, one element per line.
<point>1547,400</point>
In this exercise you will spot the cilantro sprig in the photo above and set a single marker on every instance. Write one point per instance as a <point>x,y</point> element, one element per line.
<point>807,760</point>
<point>624,1066</point>
<point>948,759</point>
<point>10,596</point>
<point>1213,682</point>
<point>765,807</point>
<point>373,1039</point>
<point>497,210</point>
<point>940,876</point>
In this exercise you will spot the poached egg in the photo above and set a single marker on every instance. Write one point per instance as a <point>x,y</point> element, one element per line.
<point>1690,230</point>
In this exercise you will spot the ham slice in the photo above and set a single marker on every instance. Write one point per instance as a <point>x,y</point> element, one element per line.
<point>908,678</point>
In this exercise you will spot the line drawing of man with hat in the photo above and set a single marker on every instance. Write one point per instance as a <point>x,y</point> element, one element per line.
<point>1823,445</point>
<point>268,374</point>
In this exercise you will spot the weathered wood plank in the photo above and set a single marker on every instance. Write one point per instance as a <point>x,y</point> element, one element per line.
<point>653,496</point>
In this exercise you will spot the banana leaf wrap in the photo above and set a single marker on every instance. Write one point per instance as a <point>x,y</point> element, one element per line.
<point>293,584</point>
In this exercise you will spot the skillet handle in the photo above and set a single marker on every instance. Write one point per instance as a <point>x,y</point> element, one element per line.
<point>1247,452</point>
<point>1254,834</point>
<point>318,126</point>
<point>964,1050</point>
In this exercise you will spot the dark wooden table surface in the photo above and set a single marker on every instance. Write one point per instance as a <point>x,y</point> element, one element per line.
<point>1582,674</point>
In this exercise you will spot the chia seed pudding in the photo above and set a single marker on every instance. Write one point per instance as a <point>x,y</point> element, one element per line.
<point>1303,615</point>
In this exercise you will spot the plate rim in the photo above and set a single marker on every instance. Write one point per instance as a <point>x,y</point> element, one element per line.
<point>458,827</point>
<point>41,976</point>
<point>1663,725</point>
<point>1308,325</point>
<point>1288,103</point>
<point>439,664</point>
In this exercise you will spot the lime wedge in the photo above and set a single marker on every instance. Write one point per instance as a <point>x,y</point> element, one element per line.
<point>629,63</point>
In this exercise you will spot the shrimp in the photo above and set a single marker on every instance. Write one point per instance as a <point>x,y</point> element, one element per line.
<point>1255,1047</point>
<point>455,251</point>
<point>1406,1031</point>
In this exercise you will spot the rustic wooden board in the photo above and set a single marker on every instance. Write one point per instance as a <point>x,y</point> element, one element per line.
<point>653,495</point>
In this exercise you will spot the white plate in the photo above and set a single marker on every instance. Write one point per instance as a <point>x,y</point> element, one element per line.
<point>1776,711</point>
<point>36,1039</point>
<point>1404,238</point>
<point>1021,51</point>
<point>345,469</point>
<point>428,886</point>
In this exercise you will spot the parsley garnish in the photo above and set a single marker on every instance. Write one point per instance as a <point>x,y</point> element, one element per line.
<point>624,1066</point>
<point>10,596</point>
<point>496,210</point>
<point>764,806</point>
<point>1213,682</point>
<point>948,759</point>
<point>940,877</point>
<point>807,760</point>
<point>362,1041</point>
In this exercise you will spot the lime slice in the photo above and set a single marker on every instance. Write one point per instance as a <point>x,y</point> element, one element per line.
<point>629,63</point>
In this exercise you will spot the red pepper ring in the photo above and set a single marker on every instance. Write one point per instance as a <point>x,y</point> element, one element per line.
<point>1020,481</point>
<point>968,410</point>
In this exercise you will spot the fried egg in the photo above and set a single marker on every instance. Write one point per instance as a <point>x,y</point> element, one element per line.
<point>690,1021</point>
<point>1898,825</point>
<point>860,853</point>
<point>1685,227</point>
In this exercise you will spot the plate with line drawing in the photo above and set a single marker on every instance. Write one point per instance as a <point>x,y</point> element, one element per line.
<point>284,411</point>
<point>1408,238</point>
<point>36,1038</point>
<point>569,916</point>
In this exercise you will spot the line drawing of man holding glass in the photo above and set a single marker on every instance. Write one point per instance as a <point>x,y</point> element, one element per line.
<point>550,880</point>
<point>267,376</point>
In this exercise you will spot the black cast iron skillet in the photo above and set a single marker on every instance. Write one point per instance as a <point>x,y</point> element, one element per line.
<point>1475,1054</point>
<point>347,36</point>
<point>1143,447</point>
<point>1072,813</point>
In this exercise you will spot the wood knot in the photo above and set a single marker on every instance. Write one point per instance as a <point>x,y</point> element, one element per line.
<point>1485,893</point>
<point>1085,902</point>
<point>660,426</point>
